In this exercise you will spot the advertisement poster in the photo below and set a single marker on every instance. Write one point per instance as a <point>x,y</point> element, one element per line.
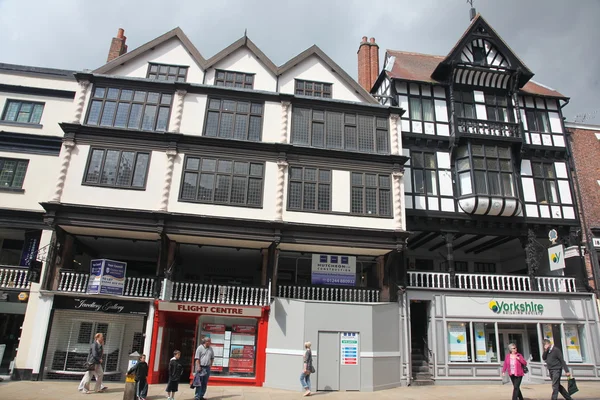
<point>349,348</point>
<point>333,270</point>
<point>107,277</point>
<point>245,365</point>
<point>242,352</point>
<point>95,277</point>
<point>480,351</point>
<point>216,333</point>
<point>573,344</point>
<point>547,332</point>
<point>457,341</point>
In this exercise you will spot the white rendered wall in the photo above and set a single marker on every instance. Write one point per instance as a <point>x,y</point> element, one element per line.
<point>194,110</point>
<point>23,79</point>
<point>314,69</point>
<point>39,182</point>
<point>170,52</point>
<point>243,60</point>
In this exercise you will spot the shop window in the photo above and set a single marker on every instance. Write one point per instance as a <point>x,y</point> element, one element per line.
<point>534,342</point>
<point>234,344</point>
<point>485,342</point>
<point>459,342</point>
<point>575,339</point>
<point>85,333</point>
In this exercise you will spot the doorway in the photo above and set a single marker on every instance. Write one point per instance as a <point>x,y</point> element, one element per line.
<point>338,361</point>
<point>518,337</point>
<point>179,335</point>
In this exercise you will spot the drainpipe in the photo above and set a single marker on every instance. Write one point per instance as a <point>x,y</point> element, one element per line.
<point>407,347</point>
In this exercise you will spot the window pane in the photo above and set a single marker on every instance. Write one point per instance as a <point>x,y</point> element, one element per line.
<point>188,191</point>
<point>122,114</point>
<point>415,109</point>
<point>241,168</point>
<point>225,166</point>
<point>429,160</point>
<point>552,192</point>
<point>419,183</point>
<point>324,200</point>
<point>141,166</point>
<point>531,121</point>
<point>256,108</point>
<point>163,119</point>
<point>480,183</point>
<point>295,195</point>
<point>192,163</point>
<point>506,165</point>
<point>491,151</point>
<point>209,165</point>
<point>112,94</point>
<point>384,202</point>
<point>538,169</point>
<point>504,152</point>
<point>126,95</point>
<point>350,138</point>
<point>318,134</point>
<point>254,191</point>
<point>382,141</point>
<point>494,183</point>
<point>357,178</point>
<point>94,114</point>
<point>214,104</point>
<point>324,175</point>
<point>542,121</point>
<point>153,98</point>
<point>36,115</point>
<point>492,164</point>
<point>469,111</point>
<point>334,130</point>
<point>371,201</point>
<point>7,173</point>
<point>93,172</point>
<point>295,173</point>
<point>108,114</point>
<point>371,180</point>
<point>226,127</point>
<point>109,173</point>
<point>384,181</point>
<point>310,174</point>
<point>256,170</point>
<point>309,200</point>
<point>99,92</point>
<point>212,124</point>
<point>135,117</point>
<point>205,192</point>
<point>357,200</point>
<point>365,134</point>
<point>238,190</point>
<point>427,110</point>
<point>463,164</point>
<point>300,121</point>
<point>431,177</point>
<point>222,188</point>
<point>20,174</point>
<point>139,96</point>
<point>507,185</point>
<point>148,120</point>
<point>254,131</point>
<point>540,191</point>
<point>165,99</point>
<point>478,163</point>
<point>228,105</point>
<point>465,183</point>
<point>417,160</point>
<point>125,168</point>
<point>548,170</point>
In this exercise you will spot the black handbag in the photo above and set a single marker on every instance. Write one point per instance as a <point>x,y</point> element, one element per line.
<point>312,369</point>
<point>572,387</point>
<point>88,366</point>
<point>525,369</point>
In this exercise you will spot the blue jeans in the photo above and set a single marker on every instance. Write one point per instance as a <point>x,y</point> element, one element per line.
<point>201,390</point>
<point>141,388</point>
<point>305,381</point>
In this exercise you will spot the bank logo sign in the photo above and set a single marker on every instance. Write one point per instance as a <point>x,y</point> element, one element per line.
<point>516,307</point>
<point>556,257</point>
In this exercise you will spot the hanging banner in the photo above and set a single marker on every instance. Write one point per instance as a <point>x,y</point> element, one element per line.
<point>573,344</point>
<point>547,332</point>
<point>556,257</point>
<point>480,351</point>
<point>333,270</point>
<point>349,348</point>
<point>30,247</point>
<point>457,341</point>
<point>107,277</point>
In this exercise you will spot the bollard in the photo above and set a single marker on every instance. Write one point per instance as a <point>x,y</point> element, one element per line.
<point>129,393</point>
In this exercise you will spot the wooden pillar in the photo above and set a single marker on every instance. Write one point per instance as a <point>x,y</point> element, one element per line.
<point>382,284</point>
<point>449,239</point>
<point>265,267</point>
<point>64,261</point>
<point>531,257</point>
<point>275,268</point>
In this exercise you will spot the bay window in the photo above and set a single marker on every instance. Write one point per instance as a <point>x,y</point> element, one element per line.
<point>485,169</point>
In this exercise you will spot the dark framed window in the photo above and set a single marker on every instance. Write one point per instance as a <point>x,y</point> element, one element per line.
<point>25,112</point>
<point>424,167</point>
<point>234,119</point>
<point>420,103</point>
<point>130,108</point>
<point>165,72</point>
<point>485,268</point>
<point>546,184</point>
<point>117,168</point>
<point>312,88</point>
<point>12,173</point>
<point>479,54</point>
<point>371,194</point>
<point>339,130</point>
<point>309,189</point>
<point>424,264</point>
<point>464,104</point>
<point>485,169</point>
<point>234,79</point>
<point>537,121</point>
<point>222,181</point>
<point>498,108</point>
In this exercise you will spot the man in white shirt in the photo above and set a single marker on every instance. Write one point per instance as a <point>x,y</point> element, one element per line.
<point>203,362</point>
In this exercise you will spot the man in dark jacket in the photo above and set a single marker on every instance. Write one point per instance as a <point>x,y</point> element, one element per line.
<point>94,360</point>
<point>141,374</point>
<point>555,364</point>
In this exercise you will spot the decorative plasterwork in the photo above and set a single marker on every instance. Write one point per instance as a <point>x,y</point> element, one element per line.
<point>180,99</point>
<point>64,167</point>
<point>285,116</point>
<point>166,191</point>
<point>394,118</point>
<point>398,187</point>
<point>83,88</point>
<point>282,166</point>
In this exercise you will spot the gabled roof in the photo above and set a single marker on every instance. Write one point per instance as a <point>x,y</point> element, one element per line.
<point>419,67</point>
<point>244,41</point>
<point>316,51</point>
<point>477,24</point>
<point>175,33</point>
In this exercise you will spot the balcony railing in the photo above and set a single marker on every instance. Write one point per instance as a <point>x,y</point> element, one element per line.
<point>336,294</point>
<point>13,277</point>
<point>441,280</point>
<point>220,294</point>
<point>134,287</point>
<point>490,128</point>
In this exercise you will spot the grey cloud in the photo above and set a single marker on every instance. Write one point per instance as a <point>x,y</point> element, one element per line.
<point>556,39</point>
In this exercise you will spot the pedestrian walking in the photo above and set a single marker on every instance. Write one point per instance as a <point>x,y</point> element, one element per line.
<point>94,366</point>
<point>307,369</point>
<point>203,360</point>
<point>141,374</point>
<point>555,364</point>
<point>514,364</point>
<point>175,372</point>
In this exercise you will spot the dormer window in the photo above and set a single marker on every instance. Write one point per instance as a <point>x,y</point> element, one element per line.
<point>234,79</point>
<point>164,72</point>
<point>479,55</point>
<point>314,89</point>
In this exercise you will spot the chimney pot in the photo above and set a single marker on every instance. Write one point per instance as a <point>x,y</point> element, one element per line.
<point>120,33</point>
<point>372,40</point>
<point>364,39</point>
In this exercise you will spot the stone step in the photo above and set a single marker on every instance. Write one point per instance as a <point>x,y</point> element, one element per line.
<point>418,357</point>
<point>420,369</point>
<point>427,382</point>
<point>422,375</point>
<point>419,363</point>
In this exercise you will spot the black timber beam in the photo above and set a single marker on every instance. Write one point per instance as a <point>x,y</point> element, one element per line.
<point>468,242</point>
<point>496,244</point>
<point>418,243</point>
<point>443,242</point>
<point>487,244</point>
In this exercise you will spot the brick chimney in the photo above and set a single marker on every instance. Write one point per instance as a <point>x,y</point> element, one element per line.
<point>368,63</point>
<point>117,46</point>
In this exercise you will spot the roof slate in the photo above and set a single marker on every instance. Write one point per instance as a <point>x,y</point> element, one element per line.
<point>50,72</point>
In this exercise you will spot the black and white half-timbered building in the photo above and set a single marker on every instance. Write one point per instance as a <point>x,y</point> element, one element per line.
<point>489,178</point>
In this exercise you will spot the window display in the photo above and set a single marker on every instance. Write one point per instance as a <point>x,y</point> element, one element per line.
<point>234,344</point>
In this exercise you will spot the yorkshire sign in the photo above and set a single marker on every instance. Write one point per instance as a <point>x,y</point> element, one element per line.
<point>516,307</point>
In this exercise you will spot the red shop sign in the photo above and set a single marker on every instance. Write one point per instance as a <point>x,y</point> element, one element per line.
<point>241,365</point>
<point>244,329</point>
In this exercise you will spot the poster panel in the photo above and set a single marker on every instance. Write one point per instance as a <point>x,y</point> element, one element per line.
<point>480,350</point>
<point>330,269</point>
<point>457,341</point>
<point>349,348</point>
<point>573,343</point>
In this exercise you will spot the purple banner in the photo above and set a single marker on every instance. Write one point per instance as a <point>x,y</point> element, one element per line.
<point>333,270</point>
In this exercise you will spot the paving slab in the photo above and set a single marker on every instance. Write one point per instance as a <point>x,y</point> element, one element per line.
<point>59,390</point>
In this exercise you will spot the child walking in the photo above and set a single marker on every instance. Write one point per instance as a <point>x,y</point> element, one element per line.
<point>141,373</point>
<point>175,372</point>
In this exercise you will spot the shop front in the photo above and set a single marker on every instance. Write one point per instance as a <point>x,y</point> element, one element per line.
<point>74,322</point>
<point>469,334</point>
<point>238,335</point>
<point>12,313</point>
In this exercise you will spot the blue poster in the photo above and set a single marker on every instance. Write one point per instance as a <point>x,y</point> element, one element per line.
<point>335,270</point>
<point>107,277</point>
<point>30,248</point>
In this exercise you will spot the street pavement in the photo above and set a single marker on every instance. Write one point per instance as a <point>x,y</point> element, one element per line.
<point>55,390</point>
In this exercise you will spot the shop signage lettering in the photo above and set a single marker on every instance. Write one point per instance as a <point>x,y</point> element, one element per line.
<point>100,305</point>
<point>516,307</point>
<point>92,305</point>
<point>336,270</point>
<point>210,309</point>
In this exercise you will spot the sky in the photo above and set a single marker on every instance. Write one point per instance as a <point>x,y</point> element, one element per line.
<point>556,39</point>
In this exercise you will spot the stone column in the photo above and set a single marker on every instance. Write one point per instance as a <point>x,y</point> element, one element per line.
<point>166,192</point>
<point>397,200</point>
<point>282,166</point>
<point>285,117</point>
<point>83,89</point>
<point>179,101</point>
<point>395,144</point>
<point>66,153</point>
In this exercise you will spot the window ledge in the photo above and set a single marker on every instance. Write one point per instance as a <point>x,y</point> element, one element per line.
<point>212,203</point>
<point>113,187</point>
<point>12,190</point>
<point>339,213</point>
<point>22,124</point>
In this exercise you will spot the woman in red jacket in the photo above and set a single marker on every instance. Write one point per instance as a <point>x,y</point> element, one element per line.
<point>514,363</point>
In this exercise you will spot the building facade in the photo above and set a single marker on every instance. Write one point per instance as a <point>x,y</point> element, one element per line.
<point>217,185</point>
<point>493,256</point>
